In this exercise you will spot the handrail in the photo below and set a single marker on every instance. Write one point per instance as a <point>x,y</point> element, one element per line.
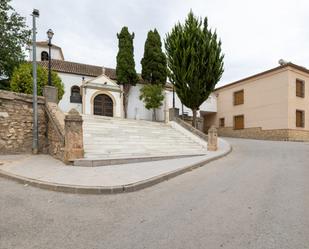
<point>190,128</point>
<point>55,122</point>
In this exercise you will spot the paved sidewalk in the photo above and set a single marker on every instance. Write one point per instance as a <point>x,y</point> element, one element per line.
<point>46,172</point>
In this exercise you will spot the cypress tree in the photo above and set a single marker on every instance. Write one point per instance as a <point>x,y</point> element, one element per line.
<point>154,69</point>
<point>194,60</point>
<point>125,70</point>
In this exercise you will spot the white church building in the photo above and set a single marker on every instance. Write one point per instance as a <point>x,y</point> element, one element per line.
<point>93,90</point>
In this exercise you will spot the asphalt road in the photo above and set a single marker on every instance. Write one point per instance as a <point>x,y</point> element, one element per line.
<point>257,197</point>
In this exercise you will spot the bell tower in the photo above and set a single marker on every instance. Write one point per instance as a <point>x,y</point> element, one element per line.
<point>42,52</point>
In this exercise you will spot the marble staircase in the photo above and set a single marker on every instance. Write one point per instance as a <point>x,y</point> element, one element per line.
<point>114,138</point>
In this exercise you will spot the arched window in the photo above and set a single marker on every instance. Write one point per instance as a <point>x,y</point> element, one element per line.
<point>75,95</point>
<point>44,56</point>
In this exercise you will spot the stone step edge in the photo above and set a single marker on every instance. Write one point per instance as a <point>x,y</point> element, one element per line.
<point>118,189</point>
<point>101,162</point>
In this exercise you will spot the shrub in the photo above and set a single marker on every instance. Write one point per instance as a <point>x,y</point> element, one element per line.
<point>22,80</point>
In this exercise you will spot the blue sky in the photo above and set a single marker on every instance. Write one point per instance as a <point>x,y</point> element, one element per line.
<point>254,34</point>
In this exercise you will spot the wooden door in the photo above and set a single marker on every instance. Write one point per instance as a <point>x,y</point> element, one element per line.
<point>239,122</point>
<point>103,105</point>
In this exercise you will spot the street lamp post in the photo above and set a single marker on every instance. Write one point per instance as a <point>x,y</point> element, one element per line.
<point>35,140</point>
<point>50,35</point>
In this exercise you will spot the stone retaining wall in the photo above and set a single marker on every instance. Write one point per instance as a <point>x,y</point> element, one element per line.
<point>258,133</point>
<point>16,123</point>
<point>60,135</point>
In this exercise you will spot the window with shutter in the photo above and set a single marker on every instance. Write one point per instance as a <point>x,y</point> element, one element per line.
<point>221,122</point>
<point>75,97</point>
<point>300,118</point>
<point>239,97</point>
<point>300,88</point>
<point>239,122</point>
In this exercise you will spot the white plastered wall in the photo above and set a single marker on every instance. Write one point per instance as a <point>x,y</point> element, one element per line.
<point>90,94</point>
<point>70,80</point>
<point>210,105</point>
<point>137,109</point>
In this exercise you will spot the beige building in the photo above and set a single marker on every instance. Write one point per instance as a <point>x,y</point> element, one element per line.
<point>270,105</point>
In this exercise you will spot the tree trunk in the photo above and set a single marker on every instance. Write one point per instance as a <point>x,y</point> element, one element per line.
<point>194,118</point>
<point>154,115</point>
<point>126,90</point>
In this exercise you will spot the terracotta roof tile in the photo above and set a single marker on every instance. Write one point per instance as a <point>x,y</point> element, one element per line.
<point>73,68</point>
<point>110,72</point>
<point>82,69</point>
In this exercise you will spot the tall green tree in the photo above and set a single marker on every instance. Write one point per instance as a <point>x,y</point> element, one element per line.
<point>152,95</point>
<point>195,61</point>
<point>14,36</point>
<point>22,80</point>
<point>154,68</point>
<point>125,70</point>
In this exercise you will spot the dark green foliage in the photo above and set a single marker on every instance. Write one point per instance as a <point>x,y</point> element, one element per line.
<point>195,61</point>
<point>125,70</point>
<point>152,95</point>
<point>22,80</point>
<point>14,36</point>
<point>4,84</point>
<point>154,68</point>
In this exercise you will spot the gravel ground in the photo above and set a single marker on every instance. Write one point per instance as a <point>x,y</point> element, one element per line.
<point>256,197</point>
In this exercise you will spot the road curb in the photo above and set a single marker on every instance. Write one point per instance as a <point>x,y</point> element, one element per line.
<point>77,189</point>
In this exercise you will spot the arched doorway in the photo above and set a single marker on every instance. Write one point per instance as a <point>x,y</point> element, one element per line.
<point>103,105</point>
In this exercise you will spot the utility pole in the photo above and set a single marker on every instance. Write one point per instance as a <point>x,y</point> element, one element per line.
<point>35,141</point>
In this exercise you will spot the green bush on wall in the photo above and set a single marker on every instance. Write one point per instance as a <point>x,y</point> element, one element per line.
<point>22,80</point>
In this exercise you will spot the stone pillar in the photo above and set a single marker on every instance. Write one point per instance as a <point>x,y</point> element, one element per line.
<point>51,94</point>
<point>173,112</point>
<point>73,128</point>
<point>212,139</point>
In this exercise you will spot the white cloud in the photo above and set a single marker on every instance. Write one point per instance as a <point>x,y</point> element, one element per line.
<point>255,34</point>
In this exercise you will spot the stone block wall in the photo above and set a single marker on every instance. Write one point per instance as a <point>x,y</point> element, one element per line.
<point>299,135</point>
<point>258,133</point>
<point>60,135</point>
<point>16,123</point>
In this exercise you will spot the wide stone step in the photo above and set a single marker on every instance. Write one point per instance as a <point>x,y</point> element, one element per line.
<point>98,161</point>
<point>135,139</point>
<point>141,143</point>
<point>110,138</point>
<point>133,154</point>
<point>142,151</point>
<point>149,149</point>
